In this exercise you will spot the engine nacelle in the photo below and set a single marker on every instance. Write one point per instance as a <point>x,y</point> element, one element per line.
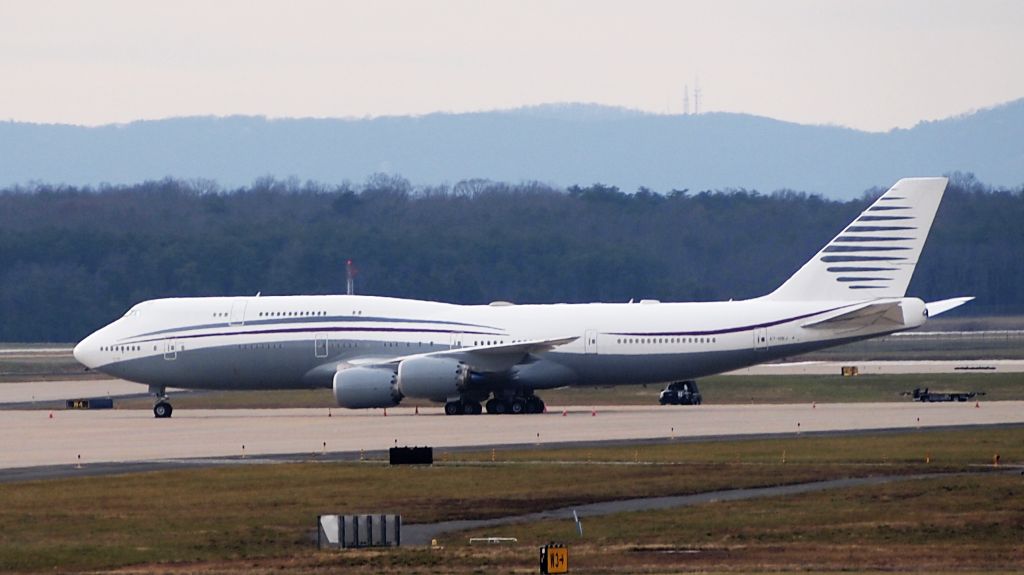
<point>436,378</point>
<point>361,387</point>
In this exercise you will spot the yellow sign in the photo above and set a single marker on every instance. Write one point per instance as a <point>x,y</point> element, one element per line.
<point>555,559</point>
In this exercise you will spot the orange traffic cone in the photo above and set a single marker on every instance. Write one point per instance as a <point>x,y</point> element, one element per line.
<point>593,412</point>
<point>565,412</point>
<point>51,415</point>
<point>417,410</point>
<point>977,404</point>
<point>385,412</point>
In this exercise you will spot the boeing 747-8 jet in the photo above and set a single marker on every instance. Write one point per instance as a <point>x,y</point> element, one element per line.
<point>375,351</point>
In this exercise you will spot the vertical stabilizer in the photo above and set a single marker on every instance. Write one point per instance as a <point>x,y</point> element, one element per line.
<point>876,254</point>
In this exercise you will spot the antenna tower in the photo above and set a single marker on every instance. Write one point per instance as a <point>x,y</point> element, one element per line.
<point>686,100</point>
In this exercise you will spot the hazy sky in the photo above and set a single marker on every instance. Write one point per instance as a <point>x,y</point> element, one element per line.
<point>866,64</point>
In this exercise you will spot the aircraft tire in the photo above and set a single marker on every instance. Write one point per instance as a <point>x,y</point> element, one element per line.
<point>500,407</point>
<point>473,408</point>
<point>162,410</point>
<point>517,407</point>
<point>534,405</point>
<point>454,408</point>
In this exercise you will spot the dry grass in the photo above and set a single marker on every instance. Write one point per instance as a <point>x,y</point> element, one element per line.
<point>262,517</point>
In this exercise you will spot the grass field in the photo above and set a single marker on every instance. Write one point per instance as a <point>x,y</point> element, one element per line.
<point>261,517</point>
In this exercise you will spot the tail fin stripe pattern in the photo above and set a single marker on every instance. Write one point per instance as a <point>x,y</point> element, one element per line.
<point>915,200</point>
<point>879,228</point>
<point>851,239</point>
<point>840,259</point>
<point>859,269</point>
<point>883,218</point>
<point>853,249</point>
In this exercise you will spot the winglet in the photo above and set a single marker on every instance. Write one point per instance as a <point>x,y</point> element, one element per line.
<point>936,307</point>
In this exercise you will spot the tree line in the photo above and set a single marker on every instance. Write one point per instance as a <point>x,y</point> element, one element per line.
<point>74,258</point>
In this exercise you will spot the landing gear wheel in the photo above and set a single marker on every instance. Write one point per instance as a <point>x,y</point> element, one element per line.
<point>534,405</point>
<point>490,405</point>
<point>454,408</point>
<point>162,409</point>
<point>473,408</point>
<point>518,406</point>
<point>499,407</point>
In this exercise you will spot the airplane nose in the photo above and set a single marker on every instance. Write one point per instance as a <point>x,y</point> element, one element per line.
<point>85,352</point>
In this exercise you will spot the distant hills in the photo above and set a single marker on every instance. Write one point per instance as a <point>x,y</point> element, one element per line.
<point>557,144</point>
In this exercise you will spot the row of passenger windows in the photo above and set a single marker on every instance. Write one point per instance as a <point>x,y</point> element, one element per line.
<point>654,340</point>
<point>292,313</point>
<point>122,348</point>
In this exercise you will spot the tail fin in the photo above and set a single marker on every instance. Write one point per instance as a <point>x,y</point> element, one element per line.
<point>876,254</point>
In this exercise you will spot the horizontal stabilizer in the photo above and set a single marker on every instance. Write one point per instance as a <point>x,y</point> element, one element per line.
<point>936,307</point>
<point>862,316</point>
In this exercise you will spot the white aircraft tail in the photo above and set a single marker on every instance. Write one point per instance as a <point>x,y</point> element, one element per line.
<point>875,256</point>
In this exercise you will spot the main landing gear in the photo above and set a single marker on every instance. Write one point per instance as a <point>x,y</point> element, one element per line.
<point>163,407</point>
<point>514,405</point>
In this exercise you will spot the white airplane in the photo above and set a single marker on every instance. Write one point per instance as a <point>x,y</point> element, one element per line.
<point>374,351</point>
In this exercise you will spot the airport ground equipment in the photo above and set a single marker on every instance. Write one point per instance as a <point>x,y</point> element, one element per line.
<point>554,558</point>
<point>352,531</point>
<point>411,455</point>
<point>681,393</point>
<point>928,396</point>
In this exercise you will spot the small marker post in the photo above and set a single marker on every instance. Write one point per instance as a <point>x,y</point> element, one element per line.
<point>78,463</point>
<point>243,451</point>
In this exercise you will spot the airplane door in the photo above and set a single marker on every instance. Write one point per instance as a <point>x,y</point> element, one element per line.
<point>237,316</point>
<point>320,345</point>
<point>590,341</point>
<point>761,338</point>
<point>170,349</point>
<point>456,341</point>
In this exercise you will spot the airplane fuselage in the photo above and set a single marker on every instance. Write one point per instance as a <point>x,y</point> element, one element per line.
<point>300,341</point>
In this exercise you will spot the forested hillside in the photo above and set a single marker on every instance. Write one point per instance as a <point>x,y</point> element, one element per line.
<point>558,144</point>
<point>72,259</point>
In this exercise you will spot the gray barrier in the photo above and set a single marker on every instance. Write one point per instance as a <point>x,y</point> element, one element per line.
<point>347,531</point>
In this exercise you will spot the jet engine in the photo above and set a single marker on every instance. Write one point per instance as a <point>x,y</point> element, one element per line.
<point>361,387</point>
<point>436,378</point>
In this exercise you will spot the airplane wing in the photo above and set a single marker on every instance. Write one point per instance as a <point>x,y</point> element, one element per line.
<point>866,314</point>
<point>486,358</point>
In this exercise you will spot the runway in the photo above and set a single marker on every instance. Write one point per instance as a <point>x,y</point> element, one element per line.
<point>43,438</point>
<point>23,394</point>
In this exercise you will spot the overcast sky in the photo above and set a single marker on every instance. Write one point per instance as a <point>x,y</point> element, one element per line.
<point>871,65</point>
